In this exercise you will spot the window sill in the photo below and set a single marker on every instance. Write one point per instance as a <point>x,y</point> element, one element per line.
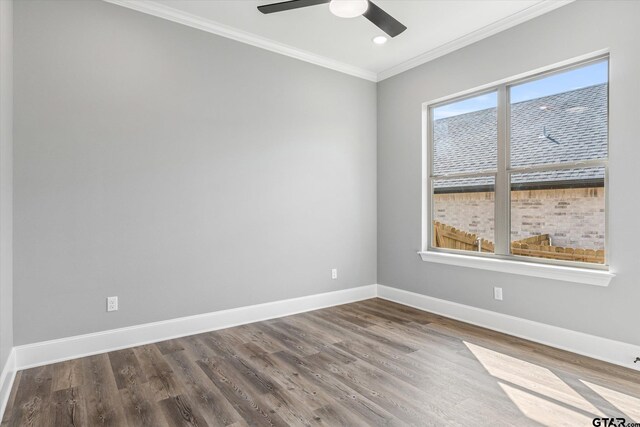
<point>555,272</point>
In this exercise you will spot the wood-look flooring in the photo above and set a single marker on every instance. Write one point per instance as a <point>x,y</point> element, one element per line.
<point>368,363</point>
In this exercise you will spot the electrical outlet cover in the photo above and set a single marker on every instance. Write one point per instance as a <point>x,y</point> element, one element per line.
<point>112,304</point>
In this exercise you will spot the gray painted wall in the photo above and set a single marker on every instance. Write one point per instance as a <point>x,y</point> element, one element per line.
<point>181,171</point>
<point>568,32</point>
<point>151,162</point>
<point>6,174</point>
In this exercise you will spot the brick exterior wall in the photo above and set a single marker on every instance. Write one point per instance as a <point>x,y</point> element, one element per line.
<point>573,217</point>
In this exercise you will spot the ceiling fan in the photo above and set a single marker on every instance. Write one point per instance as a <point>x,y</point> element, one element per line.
<point>345,9</point>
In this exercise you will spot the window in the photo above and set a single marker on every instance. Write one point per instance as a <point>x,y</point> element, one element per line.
<point>519,170</point>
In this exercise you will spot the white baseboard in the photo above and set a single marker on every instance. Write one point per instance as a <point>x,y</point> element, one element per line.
<point>7,376</point>
<point>43,353</point>
<point>604,349</point>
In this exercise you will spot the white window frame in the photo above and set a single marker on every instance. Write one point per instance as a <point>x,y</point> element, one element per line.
<point>502,259</point>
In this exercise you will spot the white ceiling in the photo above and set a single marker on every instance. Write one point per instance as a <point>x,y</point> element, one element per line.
<point>434,28</point>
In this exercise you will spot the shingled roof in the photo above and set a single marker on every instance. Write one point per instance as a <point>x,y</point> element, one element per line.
<point>576,119</point>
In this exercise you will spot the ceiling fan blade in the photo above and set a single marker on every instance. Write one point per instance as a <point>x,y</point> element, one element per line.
<point>383,20</point>
<point>288,5</point>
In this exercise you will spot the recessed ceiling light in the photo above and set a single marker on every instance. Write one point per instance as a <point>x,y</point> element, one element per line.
<point>379,39</point>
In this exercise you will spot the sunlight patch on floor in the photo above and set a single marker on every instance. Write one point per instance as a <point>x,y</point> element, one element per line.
<point>530,376</point>
<point>545,411</point>
<point>628,405</point>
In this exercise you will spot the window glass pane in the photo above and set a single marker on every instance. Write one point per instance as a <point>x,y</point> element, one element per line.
<point>465,136</point>
<point>463,214</point>
<point>560,118</point>
<point>559,215</point>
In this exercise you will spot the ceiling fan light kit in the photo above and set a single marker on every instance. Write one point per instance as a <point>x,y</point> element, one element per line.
<point>344,9</point>
<point>348,8</point>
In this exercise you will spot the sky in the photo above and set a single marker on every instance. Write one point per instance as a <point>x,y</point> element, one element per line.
<point>589,75</point>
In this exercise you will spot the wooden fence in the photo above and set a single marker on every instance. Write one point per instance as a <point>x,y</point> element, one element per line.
<point>541,240</point>
<point>557,252</point>
<point>539,246</point>
<point>449,237</point>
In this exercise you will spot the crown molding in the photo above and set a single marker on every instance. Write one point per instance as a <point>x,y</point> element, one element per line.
<point>475,36</point>
<point>171,14</point>
<point>161,11</point>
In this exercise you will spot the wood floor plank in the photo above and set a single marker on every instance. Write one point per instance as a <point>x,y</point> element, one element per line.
<point>169,346</point>
<point>126,368</point>
<point>101,396</point>
<point>288,405</point>
<point>312,329</point>
<point>67,375</point>
<point>10,408</point>
<point>33,397</point>
<point>372,317</point>
<point>347,316</point>
<point>313,343</point>
<point>336,415</point>
<point>160,377</point>
<point>68,408</point>
<point>255,383</point>
<point>196,347</point>
<point>179,411</point>
<point>214,407</point>
<point>287,341</point>
<point>411,313</point>
<point>217,344</point>
<point>365,408</point>
<point>140,406</point>
<point>366,333</point>
<point>249,333</point>
<point>249,405</point>
<point>390,393</point>
<point>306,392</point>
<point>372,362</point>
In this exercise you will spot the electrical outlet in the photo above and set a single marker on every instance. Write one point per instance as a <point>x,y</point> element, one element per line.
<point>497,293</point>
<point>334,273</point>
<point>112,303</point>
